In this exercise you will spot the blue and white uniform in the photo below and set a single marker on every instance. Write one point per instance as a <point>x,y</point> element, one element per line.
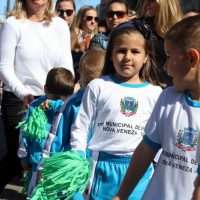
<point>71,110</point>
<point>117,113</point>
<point>34,147</point>
<point>174,126</point>
<point>31,151</point>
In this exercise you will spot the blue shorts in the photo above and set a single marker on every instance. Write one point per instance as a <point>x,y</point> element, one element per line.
<point>108,176</point>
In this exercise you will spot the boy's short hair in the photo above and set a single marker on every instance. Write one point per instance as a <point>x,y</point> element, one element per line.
<point>186,33</point>
<point>60,82</point>
<point>91,64</point>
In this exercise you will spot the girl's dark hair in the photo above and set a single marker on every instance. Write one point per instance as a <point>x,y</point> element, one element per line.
<point>60,81</point>
<point>149,72</point>
<point>117,1</point>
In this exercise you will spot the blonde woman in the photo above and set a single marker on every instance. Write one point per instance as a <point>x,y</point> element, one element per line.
<point>82,32</point>
<point>32,41</point>
<point>86,24</point>
<point>165,13</point>
<point>161,15</point>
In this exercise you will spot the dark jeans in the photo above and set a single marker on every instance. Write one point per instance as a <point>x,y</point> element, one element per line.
<point>12,113</point>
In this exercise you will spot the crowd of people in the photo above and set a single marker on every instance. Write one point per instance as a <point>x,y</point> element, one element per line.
<point>122,92</point>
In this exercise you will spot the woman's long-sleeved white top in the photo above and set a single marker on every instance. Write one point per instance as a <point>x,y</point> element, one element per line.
<point>28,50</point>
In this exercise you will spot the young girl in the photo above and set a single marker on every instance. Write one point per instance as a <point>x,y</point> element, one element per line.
<point>116,107</point>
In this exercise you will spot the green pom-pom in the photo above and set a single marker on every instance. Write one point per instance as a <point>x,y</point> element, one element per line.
<point>34,127</point>
<point>63,174</point>
<point>39,194</point>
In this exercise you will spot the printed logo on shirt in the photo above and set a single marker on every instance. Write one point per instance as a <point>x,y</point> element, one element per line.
<point>129,106</point>
<point>187,139</point>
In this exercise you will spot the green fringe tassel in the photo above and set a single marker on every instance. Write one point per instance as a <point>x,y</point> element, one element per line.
<point>63,174</point>
<point>34,127</point>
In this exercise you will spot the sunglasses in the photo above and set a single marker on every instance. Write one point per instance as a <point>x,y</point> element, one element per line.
<point>64,13</point>
<point>118,14</point>
<point>90,18</point>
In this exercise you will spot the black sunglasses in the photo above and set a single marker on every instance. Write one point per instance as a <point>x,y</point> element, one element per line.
<point>90,18</point>
<point>64,13</point>
<point>118,14</point>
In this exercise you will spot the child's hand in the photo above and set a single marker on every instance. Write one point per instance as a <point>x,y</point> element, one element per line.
<point>28,99</point>
<point>45,105</point>
<point>196,193</point>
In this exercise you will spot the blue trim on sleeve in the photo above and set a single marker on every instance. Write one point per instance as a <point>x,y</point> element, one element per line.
<point>198,169</point>
<point>130,85</point>
<point>154,146</point>
<point>191,102</point>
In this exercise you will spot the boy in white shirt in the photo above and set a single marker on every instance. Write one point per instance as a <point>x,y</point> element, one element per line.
<point>174,124</point>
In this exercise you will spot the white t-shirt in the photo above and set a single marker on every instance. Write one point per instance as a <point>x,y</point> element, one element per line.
<point>174,126</point>
<point>116,113</point>
<point>28,50</point>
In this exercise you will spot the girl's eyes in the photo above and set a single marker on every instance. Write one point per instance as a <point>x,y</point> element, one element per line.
<point>121,51</point>
<point>124,51</point>
<point>135,51</point>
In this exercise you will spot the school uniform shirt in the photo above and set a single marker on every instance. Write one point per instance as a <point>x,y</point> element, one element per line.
<point>174,126</point>
<point>116,112</point>
<point>71,110</point>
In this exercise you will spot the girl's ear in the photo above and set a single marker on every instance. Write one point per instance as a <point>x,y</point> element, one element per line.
<point>193,56</point>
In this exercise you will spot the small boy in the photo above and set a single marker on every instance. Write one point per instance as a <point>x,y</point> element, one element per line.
<point>42,131</point>
<point>90,67</point>
<point>174,124</point>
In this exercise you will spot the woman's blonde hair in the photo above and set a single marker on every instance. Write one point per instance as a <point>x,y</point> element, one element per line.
<point>169,13</point>
<point>20,10</point>
<point>81,14</point>
<point>78,25</point>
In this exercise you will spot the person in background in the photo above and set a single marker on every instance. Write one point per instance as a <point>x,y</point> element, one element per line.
<point>116,13</point>
<point>102,27</point>
<point>160,16</point>
<point>174,124</point>
<point>90,67</point>
<point>115,109</point>
<point>66,9</point>
<point>58,88</point>
<point>32,40</point>
<point>84,29</point>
